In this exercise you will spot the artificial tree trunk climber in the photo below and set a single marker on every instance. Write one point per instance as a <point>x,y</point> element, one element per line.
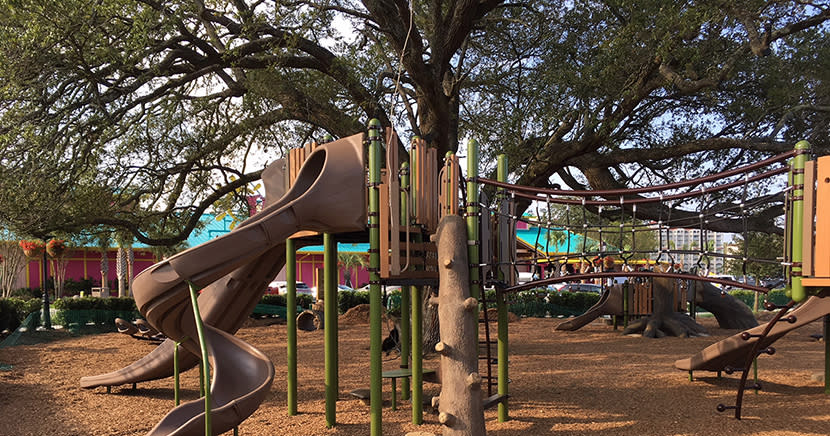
<point>460,407</point>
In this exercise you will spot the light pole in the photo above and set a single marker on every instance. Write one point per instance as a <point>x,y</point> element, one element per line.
<point>47,317</point>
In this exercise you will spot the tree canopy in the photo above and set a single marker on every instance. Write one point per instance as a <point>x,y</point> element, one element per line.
<point>139,114</point>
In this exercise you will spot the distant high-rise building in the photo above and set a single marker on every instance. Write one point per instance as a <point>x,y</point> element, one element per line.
<point>690,250</point>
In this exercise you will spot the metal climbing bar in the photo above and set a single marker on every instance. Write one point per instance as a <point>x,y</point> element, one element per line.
<point>534,195</point>
<point>203,347</point>
<point>656,188</point>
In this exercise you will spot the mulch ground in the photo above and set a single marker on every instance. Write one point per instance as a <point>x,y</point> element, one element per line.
<point>562,383</point>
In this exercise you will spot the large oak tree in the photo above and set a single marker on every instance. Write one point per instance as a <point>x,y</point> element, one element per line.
<point>139,114</point>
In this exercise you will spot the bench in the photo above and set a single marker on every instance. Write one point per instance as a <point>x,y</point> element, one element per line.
<point>394,375</point>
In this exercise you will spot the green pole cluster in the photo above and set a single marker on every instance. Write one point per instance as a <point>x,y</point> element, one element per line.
<point>291,324</point>
<point>501,305</point>
<point>200,329</point>
<point>798,293</point>
<point>375,399</point>
<point>330,325</point>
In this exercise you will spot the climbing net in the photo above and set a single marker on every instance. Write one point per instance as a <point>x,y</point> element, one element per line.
<point>634,225</point>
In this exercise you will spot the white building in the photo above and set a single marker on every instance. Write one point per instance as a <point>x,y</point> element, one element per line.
<point>689,248</point>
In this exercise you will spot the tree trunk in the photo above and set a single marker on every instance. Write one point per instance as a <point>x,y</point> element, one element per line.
<point>664,321</point>
<point>460,407</point>
<point>730,312</point>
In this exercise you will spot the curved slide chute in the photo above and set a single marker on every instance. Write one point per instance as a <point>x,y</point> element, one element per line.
<point>610,303</point>
<point>328,195</point>
<point>732,351</point>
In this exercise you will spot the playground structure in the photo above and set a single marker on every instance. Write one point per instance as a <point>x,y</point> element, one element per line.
<point>404,210</point>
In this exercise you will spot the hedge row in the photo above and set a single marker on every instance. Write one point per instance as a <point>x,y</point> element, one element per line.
<point>14,310</point>
<point>303,300</point>
<point>777,296</point>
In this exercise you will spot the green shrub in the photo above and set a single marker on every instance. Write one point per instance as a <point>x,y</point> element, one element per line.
<point>95,303</point>
<point>348,299</point>
<point>74,287</point>
<point>540,303</point>
<point>27,293</point>
<point>776,296</point>
<point>305,301</point>
<point>14,310</point>
<point>273,300</point>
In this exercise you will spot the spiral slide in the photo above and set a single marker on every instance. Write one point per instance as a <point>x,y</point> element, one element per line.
<point>328,195</point>
<point>733,350</point>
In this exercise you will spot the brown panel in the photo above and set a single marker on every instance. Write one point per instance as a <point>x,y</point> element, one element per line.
<point>432,155</point>
<point>392,166</point>
<point>420,152</point>
<point>808,246</point>
<point>454,184</point>
<point>821,261</point>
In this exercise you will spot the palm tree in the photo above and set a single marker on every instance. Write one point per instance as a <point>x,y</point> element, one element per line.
<point>350,262</point>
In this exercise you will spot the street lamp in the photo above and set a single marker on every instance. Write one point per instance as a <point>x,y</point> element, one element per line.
<point>47,316</point>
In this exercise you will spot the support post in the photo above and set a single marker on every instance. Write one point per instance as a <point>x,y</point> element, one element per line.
<point>501,306</point>
<point>330,323</point>
<point>200,329</point>
<point>291,324</point>
<point>47,315</point>
<point>802,148</point>
<point>417,355</point>
<point>405,336</point>
<point>473,246</point>
<point>176,384</point>
<point>376,388</point>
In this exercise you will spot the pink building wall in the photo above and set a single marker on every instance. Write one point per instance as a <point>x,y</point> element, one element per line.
<point>308,264</point>
<point>83,263</point>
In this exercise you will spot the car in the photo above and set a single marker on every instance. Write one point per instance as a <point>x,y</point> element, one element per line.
<point>581,287</point>
<point>280,287</point>
<point>390,288</point>
<point>340,288</point>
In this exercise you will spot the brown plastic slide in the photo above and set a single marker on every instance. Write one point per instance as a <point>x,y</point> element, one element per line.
<point>610,303</point>
<point>328,196</point>
<point>733,350</point>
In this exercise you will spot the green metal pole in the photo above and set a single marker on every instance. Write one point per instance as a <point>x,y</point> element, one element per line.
<point>417,356</point>
<point>798,293</point>
<point>406,295</point>
<point>375,399</point>
<point>291,324</point>
<point>330,333</point>
<point>200,329</point>
<point>176,385</point>
<point>501,306</point>
<point>330,325</point>
<point>201,380</point>
<point>473,250</point>
<point>405,337</point>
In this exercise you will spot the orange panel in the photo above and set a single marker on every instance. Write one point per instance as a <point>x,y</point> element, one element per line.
<point>814,281</point>
<point>821,261</point>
